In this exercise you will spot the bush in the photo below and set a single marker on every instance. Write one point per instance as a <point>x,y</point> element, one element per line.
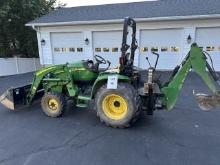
<point>15,37</point>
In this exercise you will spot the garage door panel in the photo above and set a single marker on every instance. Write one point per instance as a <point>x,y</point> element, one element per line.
<point>165,37</point>
<point>67,47</point>
<point>108,45</point>
<point>209,40</point>
<point>166,42</point>
<point>208,36</point>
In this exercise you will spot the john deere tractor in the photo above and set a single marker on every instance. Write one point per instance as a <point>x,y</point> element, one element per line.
<point>119,94</point>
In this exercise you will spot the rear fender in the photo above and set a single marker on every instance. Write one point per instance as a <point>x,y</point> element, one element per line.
<point>103,78</point>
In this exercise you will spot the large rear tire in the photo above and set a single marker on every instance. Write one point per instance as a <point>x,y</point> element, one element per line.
<point>118,108</point>
<point>53,104</point>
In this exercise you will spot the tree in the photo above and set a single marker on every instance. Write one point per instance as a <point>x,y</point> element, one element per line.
<point>15,37</point>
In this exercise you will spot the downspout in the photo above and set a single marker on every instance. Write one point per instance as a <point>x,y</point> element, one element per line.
<point>40,46</point>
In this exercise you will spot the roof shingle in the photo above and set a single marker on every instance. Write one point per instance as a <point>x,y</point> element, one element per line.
<point>146,9</point>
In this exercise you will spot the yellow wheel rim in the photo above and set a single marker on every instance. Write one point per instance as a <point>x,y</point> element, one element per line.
<point>53,105</point>
<point>115,107</point>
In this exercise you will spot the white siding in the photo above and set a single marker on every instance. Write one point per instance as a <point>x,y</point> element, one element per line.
<point>88,48</point>
<point>186,46</point>
<point>40,50</point>
<point>46,49</point>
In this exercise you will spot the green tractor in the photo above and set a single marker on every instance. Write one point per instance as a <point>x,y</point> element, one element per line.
<point>119,95</point>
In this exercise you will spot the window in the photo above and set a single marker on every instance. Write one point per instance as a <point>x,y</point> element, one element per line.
<point>164,49</point>
<point>114,49</point>
<point>98,49</point>
<point>71,49</point>
<point>154,49</point>
<point>65,49</point>
<point>79,49</point>
<point>105,49</point>
<point>145,49</point>
<point>210,48</point>
<point>201,48</point>
<point>56,49</point>
<point>175,49</point>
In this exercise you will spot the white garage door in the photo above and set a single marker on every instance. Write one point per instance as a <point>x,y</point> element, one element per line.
<point>108,45</point>
<point>67,47</point>
<point>166,42</point>
<point>209,40</point>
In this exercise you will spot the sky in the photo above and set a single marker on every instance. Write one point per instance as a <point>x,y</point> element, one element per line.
<point>72,3</point>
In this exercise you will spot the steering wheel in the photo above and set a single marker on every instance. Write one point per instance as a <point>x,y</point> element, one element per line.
<point>100,59</point>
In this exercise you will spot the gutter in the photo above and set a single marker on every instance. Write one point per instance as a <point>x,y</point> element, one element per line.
<point>190,17</point>
<point>37,29</point>
<point>34,27</point>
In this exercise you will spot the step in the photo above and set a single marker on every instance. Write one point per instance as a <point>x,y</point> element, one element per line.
<point>82,105</point>
<point>83,101</point>
<point>85,98</point>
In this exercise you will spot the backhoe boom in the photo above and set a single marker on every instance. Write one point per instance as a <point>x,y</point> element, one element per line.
<point>195,60</point>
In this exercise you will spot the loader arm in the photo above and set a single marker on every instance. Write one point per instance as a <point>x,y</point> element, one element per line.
<point>37,81</point>
<point>15,98</point>
<point>197,61</point>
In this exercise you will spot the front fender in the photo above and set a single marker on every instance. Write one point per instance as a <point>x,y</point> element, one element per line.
<point>103,78</point>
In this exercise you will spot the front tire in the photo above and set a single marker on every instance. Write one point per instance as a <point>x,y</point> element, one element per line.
<point>118,108</point>
<point>53,104</point>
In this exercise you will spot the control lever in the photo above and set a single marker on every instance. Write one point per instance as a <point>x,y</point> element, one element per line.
<point>155,66</point>
<point>148,61</point>
<point>109,63</point>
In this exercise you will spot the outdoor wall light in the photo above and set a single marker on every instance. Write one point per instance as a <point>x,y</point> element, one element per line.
<point>189,39</point>
<point>43,42</point>
<point>87,41</point>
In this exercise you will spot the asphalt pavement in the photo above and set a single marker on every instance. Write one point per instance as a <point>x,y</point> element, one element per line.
<point>184,136</point>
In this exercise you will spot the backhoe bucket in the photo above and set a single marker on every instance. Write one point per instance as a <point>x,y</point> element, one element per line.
<point>13,98</point>
<point>207,102</point>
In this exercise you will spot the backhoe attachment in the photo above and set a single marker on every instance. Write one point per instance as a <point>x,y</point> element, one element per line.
<point>197,61</point>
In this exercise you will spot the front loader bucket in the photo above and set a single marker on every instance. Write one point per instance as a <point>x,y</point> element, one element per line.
<point>13,98</point>
<point>207,102</point>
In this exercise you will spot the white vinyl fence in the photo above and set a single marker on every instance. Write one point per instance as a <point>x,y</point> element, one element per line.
<point>11,66</point>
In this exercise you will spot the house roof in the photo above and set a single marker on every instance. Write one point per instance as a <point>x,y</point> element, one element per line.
<point>140,10</point>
